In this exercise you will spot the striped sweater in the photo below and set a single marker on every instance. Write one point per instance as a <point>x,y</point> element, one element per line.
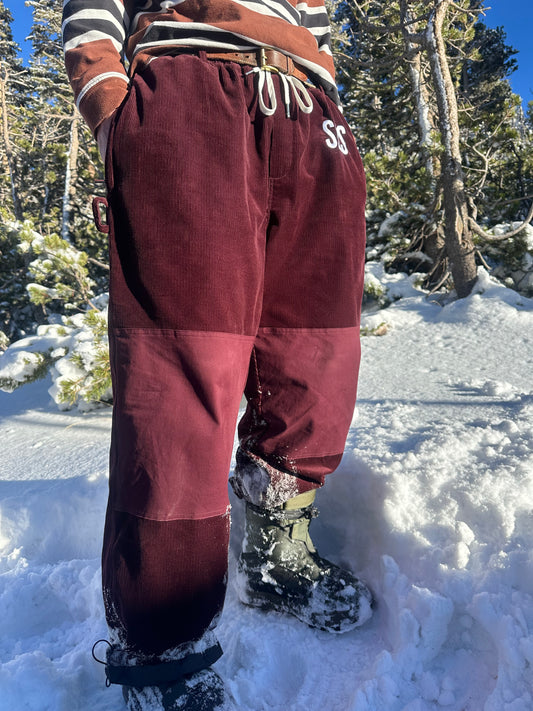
<point>102,37</point>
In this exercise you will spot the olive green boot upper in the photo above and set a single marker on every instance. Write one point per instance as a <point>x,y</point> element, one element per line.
<point>280,569</point>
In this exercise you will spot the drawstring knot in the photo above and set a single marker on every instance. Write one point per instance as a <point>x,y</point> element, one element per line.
<point>288,82</point>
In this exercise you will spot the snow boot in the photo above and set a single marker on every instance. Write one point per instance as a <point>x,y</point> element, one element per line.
<point>185,684</point>
<point>280,569</point>
<point>203,691</point>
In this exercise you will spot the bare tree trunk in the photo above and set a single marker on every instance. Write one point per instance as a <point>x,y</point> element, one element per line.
<point>458,235</point>
<point>413,52</point>
<point>71,174</point>
<point>17,209</point>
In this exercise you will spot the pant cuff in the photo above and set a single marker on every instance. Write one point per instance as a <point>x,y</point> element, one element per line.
<point>259,483</point>
<point>161,672</point>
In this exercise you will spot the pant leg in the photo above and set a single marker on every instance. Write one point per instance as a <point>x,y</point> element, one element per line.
<point>302,384</point>
<point>186,189</point>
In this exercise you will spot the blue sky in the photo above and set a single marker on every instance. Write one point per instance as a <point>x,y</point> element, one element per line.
<point>515,16</point>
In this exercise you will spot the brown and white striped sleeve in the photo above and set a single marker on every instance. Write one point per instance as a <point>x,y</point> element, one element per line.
<point>94,33</point>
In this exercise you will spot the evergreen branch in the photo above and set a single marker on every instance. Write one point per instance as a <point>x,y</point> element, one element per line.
<point>366,24</point>
<point>485,157</point>
<point>510,202</point>
<point>461,52</point>
<point>368,64</point>
<point>467,10</point>
<point>103,265</point>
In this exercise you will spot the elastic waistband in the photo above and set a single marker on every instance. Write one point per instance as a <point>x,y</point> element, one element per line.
<point>263,58</point>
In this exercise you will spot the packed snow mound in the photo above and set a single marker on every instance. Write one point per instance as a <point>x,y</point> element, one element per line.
<point>432,506</point>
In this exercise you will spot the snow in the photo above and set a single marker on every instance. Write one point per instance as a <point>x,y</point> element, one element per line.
<point>432,506</point>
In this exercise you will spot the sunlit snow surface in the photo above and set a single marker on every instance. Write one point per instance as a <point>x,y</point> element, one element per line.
<point>432,505</point>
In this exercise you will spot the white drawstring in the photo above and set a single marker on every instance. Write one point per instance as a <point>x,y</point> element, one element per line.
<point>299,90</point>
<point>265,75</point>
<point>302,96</point>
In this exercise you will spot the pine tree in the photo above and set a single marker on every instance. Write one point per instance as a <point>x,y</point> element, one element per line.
<point>50,118</point>
<point>434,122</point>
<point>13,78</point>
<point>490,125</point>
<point>393,133</point>
<point>64,158</point>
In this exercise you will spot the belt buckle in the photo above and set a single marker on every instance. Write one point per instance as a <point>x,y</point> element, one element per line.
<point>263,61</point>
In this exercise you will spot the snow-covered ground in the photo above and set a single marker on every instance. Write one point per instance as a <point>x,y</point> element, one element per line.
<point>432,504</point>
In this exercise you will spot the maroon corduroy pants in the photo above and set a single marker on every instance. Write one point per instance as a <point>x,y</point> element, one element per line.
<point>236,253</point>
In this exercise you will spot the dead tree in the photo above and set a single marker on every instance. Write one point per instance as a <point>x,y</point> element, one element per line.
<point>71,173</point>
<point>9,157</point>
<point>460,248</point>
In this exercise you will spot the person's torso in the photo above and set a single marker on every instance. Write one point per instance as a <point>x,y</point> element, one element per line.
<point>299,29</point>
